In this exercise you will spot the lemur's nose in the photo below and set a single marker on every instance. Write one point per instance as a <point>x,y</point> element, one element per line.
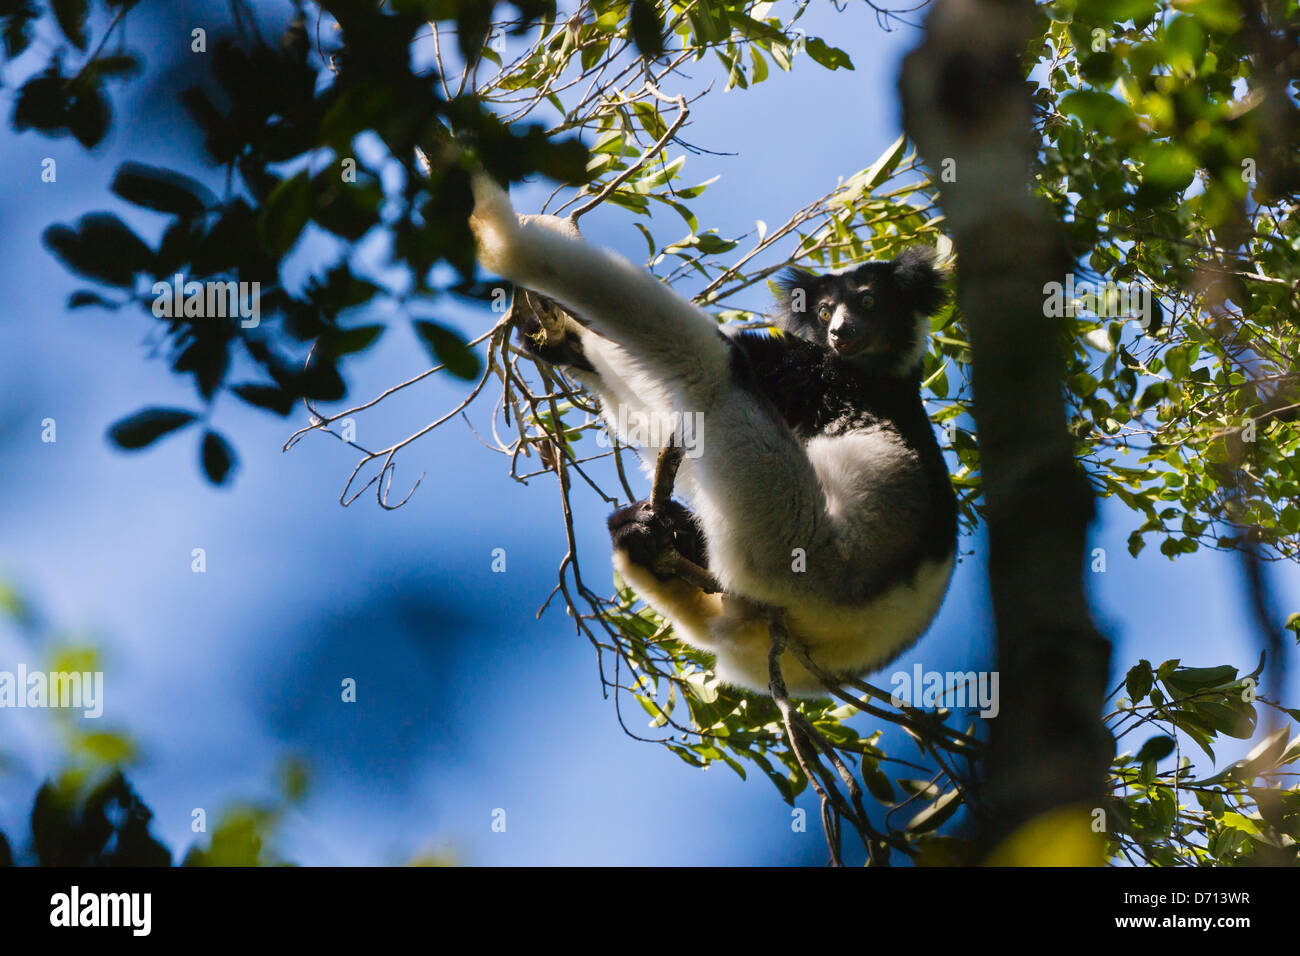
<point>843,337</point>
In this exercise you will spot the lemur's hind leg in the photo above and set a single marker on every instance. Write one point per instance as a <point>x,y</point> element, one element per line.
<point>649,545</point>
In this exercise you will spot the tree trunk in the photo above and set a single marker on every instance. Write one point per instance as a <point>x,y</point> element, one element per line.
<point>966,106</point>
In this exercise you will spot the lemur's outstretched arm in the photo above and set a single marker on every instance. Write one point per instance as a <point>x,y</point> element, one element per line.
<point>618,300</point>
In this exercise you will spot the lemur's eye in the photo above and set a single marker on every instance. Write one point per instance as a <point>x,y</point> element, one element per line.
<point>867,299</point>
<point>824,312</point>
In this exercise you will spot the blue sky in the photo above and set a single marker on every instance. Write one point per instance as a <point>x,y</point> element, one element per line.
<point>466,702</point>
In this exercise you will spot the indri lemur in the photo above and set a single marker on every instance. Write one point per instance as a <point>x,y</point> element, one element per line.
<point>819,488</point>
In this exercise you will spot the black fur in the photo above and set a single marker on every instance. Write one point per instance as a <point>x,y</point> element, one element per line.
<point>885,330</point>
<point>816,392</point>
<point>645,536</point>
<point>550,344</point>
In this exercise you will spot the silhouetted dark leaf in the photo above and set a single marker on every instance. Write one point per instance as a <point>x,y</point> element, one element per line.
<point>42,104</point>
<point>449,349</point>
<point>6,853</point>
<point>101,247</point>
<point>67,835</point>
<point>285,214</point>
<point>473,26</point>
<point>231,243</point>
<point>52,823</point>
<point>119,65</point>
<point>145,427</point>
<point>218,458</point>
<point>221,141</point>
<point>346,209</point>
<point>88,114</point>
<point>266,396</point>
<point>84,297</point>
<point>347,341</point>
<point>321,380</point>
<point>647,28</point>
<point>341,290</point>
<point>106,232</point>
<point>15,26</point>
<point>71,16</point>
<point>179,247</point>
<point>208,358</point>
<point>1157,748</point>
<point>161,190</point>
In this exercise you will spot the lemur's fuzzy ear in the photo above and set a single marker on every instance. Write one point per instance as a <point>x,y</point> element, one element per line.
<point>796,288</point>
<point>918,280</point>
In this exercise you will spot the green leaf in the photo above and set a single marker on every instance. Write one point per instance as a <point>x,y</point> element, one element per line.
<point>1138,681</point>
<point>1113,11</point>
<point>934,816</point>
<point>877,781</point>
<point>108,748</point>
<point>828,56</point>
<point>1197,677</point>
<point>1097,111</point>
<point>883,166</point>
<point>1157,748</point>
<point>651,121</point>
<point>449,349</point>
<point>12,604</point>
<point>148,425</point>
<point>1167,170</point>
<point>1184,42</point>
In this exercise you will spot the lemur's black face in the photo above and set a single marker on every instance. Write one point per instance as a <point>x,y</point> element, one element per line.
<point>873,315</point>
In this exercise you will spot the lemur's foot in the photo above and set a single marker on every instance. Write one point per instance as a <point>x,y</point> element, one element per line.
<point>547,331</point>
<point>542,324</point>
<point>655,540</point>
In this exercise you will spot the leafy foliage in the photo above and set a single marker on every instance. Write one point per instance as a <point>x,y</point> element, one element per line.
<point>1160,154</point>
<point>1246,813</point>
<point>88,814</point>
<point>283,120</point>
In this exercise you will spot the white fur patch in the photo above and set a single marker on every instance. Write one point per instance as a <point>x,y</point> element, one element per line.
<point>848,641</point>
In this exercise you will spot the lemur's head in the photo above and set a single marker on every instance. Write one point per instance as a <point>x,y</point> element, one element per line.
<point>874,315</point>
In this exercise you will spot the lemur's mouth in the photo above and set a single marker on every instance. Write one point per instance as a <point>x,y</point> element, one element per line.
<point>859,348</point>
